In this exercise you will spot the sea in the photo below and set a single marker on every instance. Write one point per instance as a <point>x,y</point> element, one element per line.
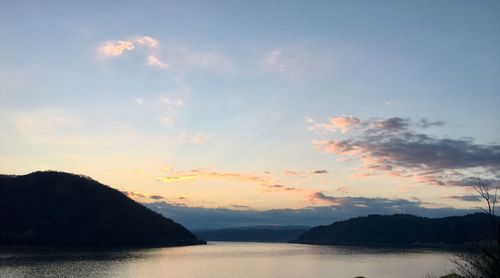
<point>226,259</point>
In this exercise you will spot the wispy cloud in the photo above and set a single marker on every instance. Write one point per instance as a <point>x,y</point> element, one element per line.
<point>298,62</point>
<point>54,127</point>
<point>466,198</point>
<point>293,173</point>
<point>196,138</point>
<point>279,187</point>
<point>177,178</point>
<point>208,173</point>
<point>152,60</point>
<point>164,107</point>
<point>201,59</point>
<point>268,183</point>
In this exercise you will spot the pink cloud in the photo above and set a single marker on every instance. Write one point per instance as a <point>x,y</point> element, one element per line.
<point>392,146</point>
<point>344,123</point>
<point>152,60</point>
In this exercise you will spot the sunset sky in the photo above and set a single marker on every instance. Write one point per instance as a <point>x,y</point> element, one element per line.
<point>256,105</point>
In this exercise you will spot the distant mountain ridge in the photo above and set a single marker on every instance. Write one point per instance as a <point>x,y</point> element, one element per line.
<point>57,208</point>
<point>266,233</point>
<point>402,229</point>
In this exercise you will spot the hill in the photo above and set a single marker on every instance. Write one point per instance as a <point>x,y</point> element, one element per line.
<point>402,229</point>
<point>56,208</point>
<point>253,234</point>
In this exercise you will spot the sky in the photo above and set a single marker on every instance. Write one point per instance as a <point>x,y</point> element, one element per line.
<point>335,108</point>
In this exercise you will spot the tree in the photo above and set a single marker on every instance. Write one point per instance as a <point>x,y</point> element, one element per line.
<point>486,262</point>
<point>483,189</point>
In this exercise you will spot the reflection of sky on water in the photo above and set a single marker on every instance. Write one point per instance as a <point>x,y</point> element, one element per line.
<point>218,259</point>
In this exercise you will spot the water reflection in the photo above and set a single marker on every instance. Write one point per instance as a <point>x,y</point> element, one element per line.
<point>220,259</point>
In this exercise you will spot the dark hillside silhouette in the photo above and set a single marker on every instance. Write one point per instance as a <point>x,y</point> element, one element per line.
<point>402,229</point>
<point>56,208</point>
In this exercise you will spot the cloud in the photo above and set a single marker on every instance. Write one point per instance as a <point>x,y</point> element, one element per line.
<point>390,103</point>
<point>115,48</point>
<point>162,106</point>
<point>361,175</point>
<point>42,120</point>
<point>177,178</point>
<point>346,123</point>
<point>181,59</point>
<point>203,218</point>
<point>342,124</point>
<point>156,197</point>
<point>298,63</point>
<point>394,123</point>
<point>208,173</point>
<point>139,101</point>
<point>319,172</point>
<point>424,123</point>
<point>152,60</point>
<point>279,187</point>
<point>467,198</point>
<point>49,127</point>
<point>166,120</point>
<point>138,196</point>
<point>148,41</point>
<point>376,204</point>
<point>243,177</point>
<point>394,147</point>
<point>265,181</point>
<point>292,173</point>
<point>196,138</point>
<point>200,59</point>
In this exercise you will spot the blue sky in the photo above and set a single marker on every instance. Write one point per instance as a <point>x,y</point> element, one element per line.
<point>242,104</point>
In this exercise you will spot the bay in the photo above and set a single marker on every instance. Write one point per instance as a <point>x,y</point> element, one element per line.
<point>227,259</point>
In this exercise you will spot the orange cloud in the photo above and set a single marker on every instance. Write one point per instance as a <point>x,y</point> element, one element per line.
<point>176,178</point>
<point>361,175</point>
<point>292,173</point>
<point>235,176</point>
<point>279,187</point>
<point>115,48</point>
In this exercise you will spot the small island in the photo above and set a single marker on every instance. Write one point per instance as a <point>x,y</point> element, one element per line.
<point>60,209</point>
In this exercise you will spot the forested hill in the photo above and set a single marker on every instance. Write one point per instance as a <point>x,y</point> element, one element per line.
<point>402,229</point>
<point>56,208</point>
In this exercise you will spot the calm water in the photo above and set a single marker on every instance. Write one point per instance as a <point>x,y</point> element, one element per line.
<point>222,259</point>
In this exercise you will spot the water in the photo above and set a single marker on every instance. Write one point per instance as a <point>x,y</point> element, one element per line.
<point>227,259</point>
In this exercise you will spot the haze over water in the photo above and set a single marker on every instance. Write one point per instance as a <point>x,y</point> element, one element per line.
<point>228,259</point>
